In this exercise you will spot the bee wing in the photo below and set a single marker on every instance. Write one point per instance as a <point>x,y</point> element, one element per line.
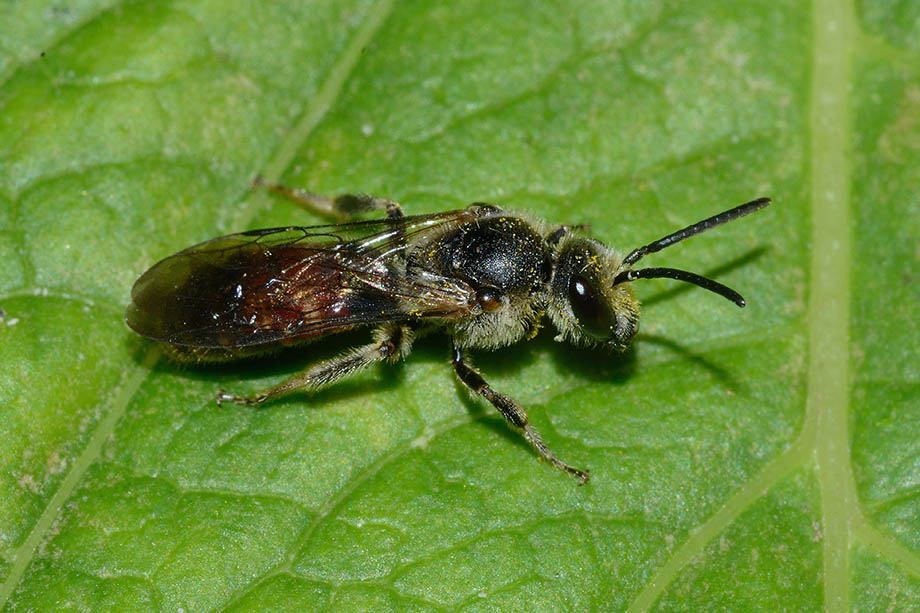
<point>295,283</point>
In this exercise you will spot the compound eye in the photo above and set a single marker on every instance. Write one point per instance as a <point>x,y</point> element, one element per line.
<point>590,308</point>
<point>489,300</point>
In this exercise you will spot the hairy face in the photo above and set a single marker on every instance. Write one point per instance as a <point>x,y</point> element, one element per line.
<point>584,304</point>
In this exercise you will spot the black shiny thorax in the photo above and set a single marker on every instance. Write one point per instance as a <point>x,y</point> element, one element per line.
<point>502,254</point>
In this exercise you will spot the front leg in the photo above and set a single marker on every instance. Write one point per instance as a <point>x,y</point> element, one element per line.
<point>512,412</point>
<point>390,343</point>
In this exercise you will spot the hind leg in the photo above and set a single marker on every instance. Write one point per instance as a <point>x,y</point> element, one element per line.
<point>342,207</point>
<point>391,343</point>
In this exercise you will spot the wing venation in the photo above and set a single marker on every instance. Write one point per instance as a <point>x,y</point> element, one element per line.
<point>295,283</point>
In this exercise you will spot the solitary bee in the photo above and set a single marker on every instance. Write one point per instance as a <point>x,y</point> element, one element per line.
<point>484,276</point>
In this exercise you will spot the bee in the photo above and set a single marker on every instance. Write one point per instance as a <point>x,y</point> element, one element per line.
<point>483,276</point>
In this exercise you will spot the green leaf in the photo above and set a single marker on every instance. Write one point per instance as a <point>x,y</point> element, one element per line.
<point>759,459</point>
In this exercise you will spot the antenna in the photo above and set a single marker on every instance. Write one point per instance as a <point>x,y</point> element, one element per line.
<point>676,237</point>
<point>700,226</point>
<point>681,275</point>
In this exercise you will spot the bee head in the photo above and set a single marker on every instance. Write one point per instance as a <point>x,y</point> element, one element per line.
<point>591,300</point>
<point>586,305</point>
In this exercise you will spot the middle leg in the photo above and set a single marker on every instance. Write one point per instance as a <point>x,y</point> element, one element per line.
<point>512,412</point>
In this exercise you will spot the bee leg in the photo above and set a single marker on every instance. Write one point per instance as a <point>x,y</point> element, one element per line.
<point>344,206</point>
<point>556,235</point>
<point>512,412</point>
<point>391,343</point>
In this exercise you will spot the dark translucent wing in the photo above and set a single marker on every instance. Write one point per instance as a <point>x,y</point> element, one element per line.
<point>295,283</point>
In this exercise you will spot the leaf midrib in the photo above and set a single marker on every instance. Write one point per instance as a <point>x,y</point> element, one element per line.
<point>824,436</point>
<point>827,404</point>
<point>844,523</point>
